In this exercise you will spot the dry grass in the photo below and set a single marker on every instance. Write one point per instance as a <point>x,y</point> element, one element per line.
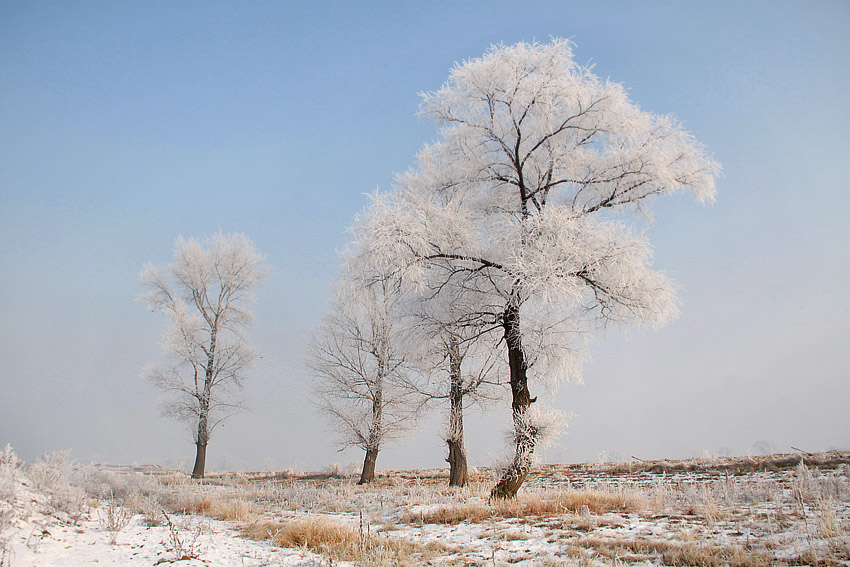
<point>699,554</point>
<point>677,554</point>
<point>183,503</point>
<point>537,505</point>
<point>343,543</point>
<point>233,510</point>
<point>691,554</point>
<point>788,514</point>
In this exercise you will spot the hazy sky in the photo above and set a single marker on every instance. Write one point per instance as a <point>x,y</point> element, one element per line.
<point>126,124</point>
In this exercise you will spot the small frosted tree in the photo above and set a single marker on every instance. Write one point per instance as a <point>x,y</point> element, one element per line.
<point>458,363</point>
<point>360,370</point>
<point>519,203</point>
<point>205,293</point>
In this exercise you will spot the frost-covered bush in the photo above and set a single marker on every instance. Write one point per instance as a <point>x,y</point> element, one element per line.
<point>337,470</point>
<point>50,475</point>
<point>104,484</point>
<point>48,472</point>
<point>135,491</point>
<point>9,477</point>
<point>113,518</point>
<point>8,457</point>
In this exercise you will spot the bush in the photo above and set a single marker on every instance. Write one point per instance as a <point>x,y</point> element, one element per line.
<point>9,478</point>
<point>49,475</point>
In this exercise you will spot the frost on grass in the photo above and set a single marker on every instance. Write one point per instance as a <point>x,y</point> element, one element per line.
<point>711,512</point>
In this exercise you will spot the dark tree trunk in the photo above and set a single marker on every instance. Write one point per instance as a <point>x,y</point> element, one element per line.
<point>368,473</point>
<point>520,466</point>
<point>203,436</point>
<point>458,474</point>
<point>200,460</point>
<point>202,439</point>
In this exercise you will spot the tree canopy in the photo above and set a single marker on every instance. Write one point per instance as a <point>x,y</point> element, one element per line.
<point>520,204</point>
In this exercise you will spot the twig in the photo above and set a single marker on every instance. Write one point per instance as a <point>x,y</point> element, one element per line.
<point>804,452</point>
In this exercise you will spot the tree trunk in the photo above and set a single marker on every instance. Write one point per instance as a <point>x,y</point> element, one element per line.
<point>458,475</point>
<point>375,430</point>
<point>200,460</point>
<point>520,466</point>
<point>201,440</point>
<point>368,473</point>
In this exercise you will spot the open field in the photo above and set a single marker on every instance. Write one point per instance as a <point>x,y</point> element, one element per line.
<point>774,510</point>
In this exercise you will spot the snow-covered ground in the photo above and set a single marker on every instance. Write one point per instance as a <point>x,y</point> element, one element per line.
<point>41,541</point>
<point>46,521</point>
<point>744,512</point>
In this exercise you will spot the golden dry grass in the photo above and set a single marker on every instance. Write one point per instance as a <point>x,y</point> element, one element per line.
<point>535,506</point>
<point>343,543</point>
<point>187,503</point>
<point>232,510</point>
<point>693,554</point>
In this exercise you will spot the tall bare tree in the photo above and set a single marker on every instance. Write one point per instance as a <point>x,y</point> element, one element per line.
<point>520,202</point>
<point>205,293</point>
<point>457,364</point>
<point>361,371</point>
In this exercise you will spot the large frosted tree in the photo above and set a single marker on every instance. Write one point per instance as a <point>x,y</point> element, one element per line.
<point>522,203</point>
<point>206,294</point>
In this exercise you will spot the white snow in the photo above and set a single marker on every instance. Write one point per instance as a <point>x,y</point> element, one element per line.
<point>42,536</point>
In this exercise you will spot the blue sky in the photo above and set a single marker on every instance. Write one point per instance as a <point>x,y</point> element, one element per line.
<point>124,125</point>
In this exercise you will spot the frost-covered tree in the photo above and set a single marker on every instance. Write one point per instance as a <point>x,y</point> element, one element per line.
<point>521,203</point>
<point>457,364</point>
<point>361,373</point>
<point>471,375</point>
<point>205,293</point>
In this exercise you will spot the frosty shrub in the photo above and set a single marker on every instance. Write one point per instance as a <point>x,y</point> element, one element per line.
<point>9,474</point>
<point>99,483</point>
<point>48,472</point>
<point>113,518</point>
<point>184,547</point>
<point>136,492</point>
<point>50,475</point>
<point>102,483</point>
<point>148,506</point>
<point>8,457</point>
